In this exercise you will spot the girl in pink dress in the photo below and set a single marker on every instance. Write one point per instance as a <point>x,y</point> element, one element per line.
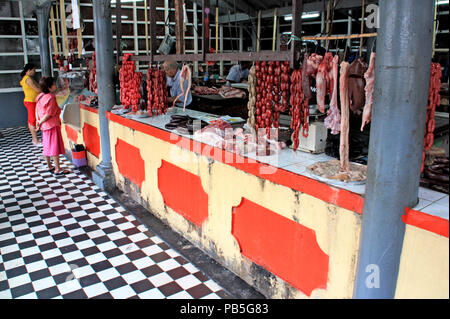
<point>48,121</point>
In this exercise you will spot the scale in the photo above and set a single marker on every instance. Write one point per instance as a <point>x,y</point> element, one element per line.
<point>166,44</point>
<point>316,141</point>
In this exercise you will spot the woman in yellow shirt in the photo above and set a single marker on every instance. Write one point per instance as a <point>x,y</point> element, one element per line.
<point>31,90</point>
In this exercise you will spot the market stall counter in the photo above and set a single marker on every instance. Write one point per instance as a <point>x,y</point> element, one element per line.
<point>267,218</point>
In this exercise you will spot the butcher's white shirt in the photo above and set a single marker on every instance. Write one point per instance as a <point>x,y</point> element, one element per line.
<point>175,89</point>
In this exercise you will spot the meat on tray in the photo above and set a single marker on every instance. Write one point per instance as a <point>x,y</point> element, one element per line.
<point>228,92</point>
<point>185,124</point>
<point>204,90</point>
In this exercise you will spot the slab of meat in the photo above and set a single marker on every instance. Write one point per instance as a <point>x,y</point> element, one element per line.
<point>204,90</point>
<point>370,82</point>
<point>323,80</point>
<point>356,85</point>
<point>228,92</point>
<point>310,67</point>
<point>333,120</point>
<point>345,112</point>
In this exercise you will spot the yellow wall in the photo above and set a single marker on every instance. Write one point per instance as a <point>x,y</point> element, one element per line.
<point>337,229</point>
<point>424,265</point>
<point>85,117</point>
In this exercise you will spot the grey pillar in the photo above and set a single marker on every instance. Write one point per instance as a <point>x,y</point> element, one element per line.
<point>402,75</point>
<point>43,13</point>
<point>104,57</point>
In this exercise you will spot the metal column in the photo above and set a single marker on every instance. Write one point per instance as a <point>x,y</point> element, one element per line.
<point>43,14</point>
<point>104,57</point>
<point>402,75</point>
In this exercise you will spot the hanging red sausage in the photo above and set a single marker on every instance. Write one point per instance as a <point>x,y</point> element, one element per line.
<point>130,82</point>
<point>434,100</point>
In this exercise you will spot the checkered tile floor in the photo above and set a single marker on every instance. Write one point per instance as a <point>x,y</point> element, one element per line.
<point>63,237</point>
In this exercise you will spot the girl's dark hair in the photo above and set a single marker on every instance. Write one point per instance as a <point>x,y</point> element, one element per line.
<point>46,83</point>
<point>27,67</point>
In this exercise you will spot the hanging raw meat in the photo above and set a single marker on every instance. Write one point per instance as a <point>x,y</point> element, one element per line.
<point>333,120</point>
<point>323,82</point>
<point>369,76</point>
<point>345,116</point>
<point>356,85</point>
<point>186,75</point>
<point>310,67</point>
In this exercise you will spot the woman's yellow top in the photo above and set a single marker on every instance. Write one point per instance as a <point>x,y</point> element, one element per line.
<point>30,93</point>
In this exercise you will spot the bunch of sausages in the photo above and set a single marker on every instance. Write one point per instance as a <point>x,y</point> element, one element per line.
<point>434,99</point>
<point>93,75</point>
<point>264,96</point>
<point>130,81</point>
<point>299,108</point>
<point>156,92</point>
<point>271,93</point>
<point>251,121</point>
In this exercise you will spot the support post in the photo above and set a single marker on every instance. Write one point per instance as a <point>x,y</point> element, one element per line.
<point>349,28</point>
<point>195,17</point>
<point>402,73</point>
<point>205,27</point>
<point>118,31</point>
<point>104,57</point>
<point>297,10</point>
<point>43,14</point>
<point>221,64</point>
<point>153,43</point>
<point>179,19</point>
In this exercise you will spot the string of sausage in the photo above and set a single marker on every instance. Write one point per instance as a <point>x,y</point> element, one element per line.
<point>251,105</point>
<point>130,82</point>
<point>272,92</point>
<point>434,99</point>
<point>150,93</point>
<point>156,92</point>
<point>92,75</point>
<point>263,98</point>
<point>299,108</point>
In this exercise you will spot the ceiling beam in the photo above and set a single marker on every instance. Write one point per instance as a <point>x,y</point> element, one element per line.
<point>307,7</point>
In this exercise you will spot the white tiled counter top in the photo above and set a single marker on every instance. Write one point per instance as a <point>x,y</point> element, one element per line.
<point>430,202</point>
<point>433,203</point>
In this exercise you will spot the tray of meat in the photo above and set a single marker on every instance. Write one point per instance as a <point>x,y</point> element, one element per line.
<point>330,172</point>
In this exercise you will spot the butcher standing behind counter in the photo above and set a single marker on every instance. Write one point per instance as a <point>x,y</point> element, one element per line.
<point>239,73</point>
<point>173,72</point>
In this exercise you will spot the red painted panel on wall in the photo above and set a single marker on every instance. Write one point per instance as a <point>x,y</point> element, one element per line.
<point>183,192</point>
<point>282,246</point>
<point>91,139</point>
<point>129,161</point>
<point>71,133</point>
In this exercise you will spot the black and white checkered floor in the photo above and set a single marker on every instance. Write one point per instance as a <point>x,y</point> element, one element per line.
<point>63,237</point>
